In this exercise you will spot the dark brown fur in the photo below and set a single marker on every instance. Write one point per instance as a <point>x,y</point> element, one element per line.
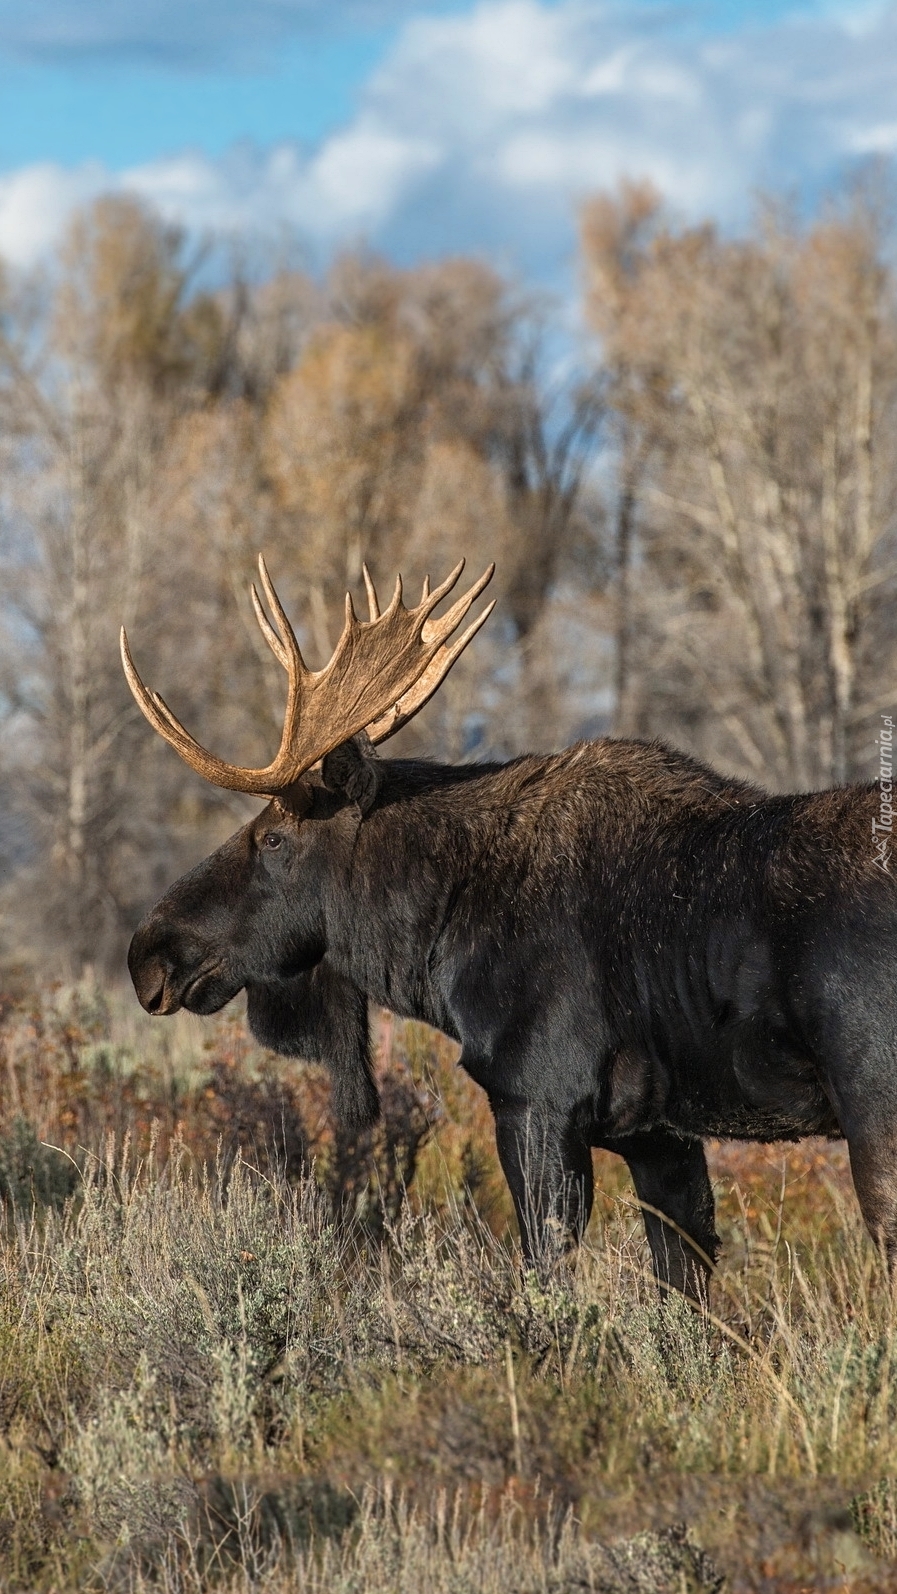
<point>633,952</point>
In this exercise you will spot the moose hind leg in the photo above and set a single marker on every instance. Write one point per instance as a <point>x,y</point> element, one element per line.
<point>548,1167</point>
<point>670,1178</point>
<point>873,1165</point>
<point>857,1043</point>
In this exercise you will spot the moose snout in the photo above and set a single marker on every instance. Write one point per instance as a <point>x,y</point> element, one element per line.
<point>152,977</point>
<point>152,990</point>
<point>160,966</point>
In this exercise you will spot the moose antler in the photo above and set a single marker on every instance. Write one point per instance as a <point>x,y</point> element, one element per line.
<point>383,670</point>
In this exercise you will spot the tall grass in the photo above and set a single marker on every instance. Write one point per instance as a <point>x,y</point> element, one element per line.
<point>216,1370</point>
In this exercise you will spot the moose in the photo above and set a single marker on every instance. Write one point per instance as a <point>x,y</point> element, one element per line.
<point>632,951</point>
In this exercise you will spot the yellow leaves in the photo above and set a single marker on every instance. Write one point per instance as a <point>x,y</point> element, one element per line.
<point>461,496</point>
<point>378,438</point>
<point>121,304</point>
<point>615,233</point>
<point>340,420</point>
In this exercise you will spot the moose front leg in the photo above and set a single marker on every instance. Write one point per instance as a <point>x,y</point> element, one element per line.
<point>548,1167</point>
<point>670,1178</point>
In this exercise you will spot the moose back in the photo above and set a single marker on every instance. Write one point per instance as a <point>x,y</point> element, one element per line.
<point>632,951</point>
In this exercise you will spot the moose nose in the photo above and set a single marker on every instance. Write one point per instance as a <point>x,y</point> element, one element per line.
<point>151,968</point>
<point>162,960</point>
<point>151,978</point>
<point>153,996</point>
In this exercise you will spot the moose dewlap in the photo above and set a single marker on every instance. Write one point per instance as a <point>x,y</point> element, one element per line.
<point>632,951</point>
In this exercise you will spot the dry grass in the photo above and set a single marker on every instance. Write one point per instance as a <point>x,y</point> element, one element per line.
<point>243,1372</point>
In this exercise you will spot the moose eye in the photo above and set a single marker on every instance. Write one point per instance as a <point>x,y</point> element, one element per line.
<point>271,840</point>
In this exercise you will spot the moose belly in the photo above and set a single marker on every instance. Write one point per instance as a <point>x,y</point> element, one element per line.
<point>744,1088</point>
<point>719,1054</point>
<point>758,1088</point>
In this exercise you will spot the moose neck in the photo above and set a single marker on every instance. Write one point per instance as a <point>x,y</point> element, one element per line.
<point>433,825</point>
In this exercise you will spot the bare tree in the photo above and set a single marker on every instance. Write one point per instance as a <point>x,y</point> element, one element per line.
<point>91,410</point>
<point>755,384</point>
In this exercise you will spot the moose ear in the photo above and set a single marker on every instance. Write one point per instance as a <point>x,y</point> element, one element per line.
<point>352,769</point>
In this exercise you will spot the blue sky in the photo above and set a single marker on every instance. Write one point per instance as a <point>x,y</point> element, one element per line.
<point>428,128</point>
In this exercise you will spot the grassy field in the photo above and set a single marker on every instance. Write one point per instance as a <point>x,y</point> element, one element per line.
<point>238,1351</point>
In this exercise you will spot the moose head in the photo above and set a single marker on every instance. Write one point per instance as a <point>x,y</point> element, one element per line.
<point>255,909</point>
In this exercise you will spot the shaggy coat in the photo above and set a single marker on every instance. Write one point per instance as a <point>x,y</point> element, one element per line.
<point>632,952</point>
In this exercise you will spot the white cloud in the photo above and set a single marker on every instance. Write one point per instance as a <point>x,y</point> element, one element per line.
<point>505,58</point>
<point>610,73</point>
<point>35,202</point>
<point>483,130</point>
<point>879,139</point>
<point>354,181</point>
<point>350,186</point>
<point>359,176</point>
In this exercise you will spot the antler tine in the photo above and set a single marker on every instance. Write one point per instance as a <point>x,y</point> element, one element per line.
<point>458,646</point>
<point>167,714</point>
<point>425,593</point>
<point>439,630</point>
<point>160,716</point>
<point>262,782</point>
<point>174,722</point>
<point>436,596</point>
<point>292,659</point>
<point>267,629</point>
<point>395,602</point>
<point>154,707</point>
<point>420,693</point>
<point>373,601</point>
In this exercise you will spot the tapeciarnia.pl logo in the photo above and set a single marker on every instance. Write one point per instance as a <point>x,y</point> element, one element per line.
<point>882,827</point>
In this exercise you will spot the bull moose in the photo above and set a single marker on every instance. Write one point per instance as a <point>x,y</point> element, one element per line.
<point>633,951</point>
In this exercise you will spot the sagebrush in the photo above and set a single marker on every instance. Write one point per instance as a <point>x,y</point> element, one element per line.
<point>215,1372</point>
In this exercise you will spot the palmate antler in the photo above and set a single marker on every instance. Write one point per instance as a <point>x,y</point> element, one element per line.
<point>383,670</point>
